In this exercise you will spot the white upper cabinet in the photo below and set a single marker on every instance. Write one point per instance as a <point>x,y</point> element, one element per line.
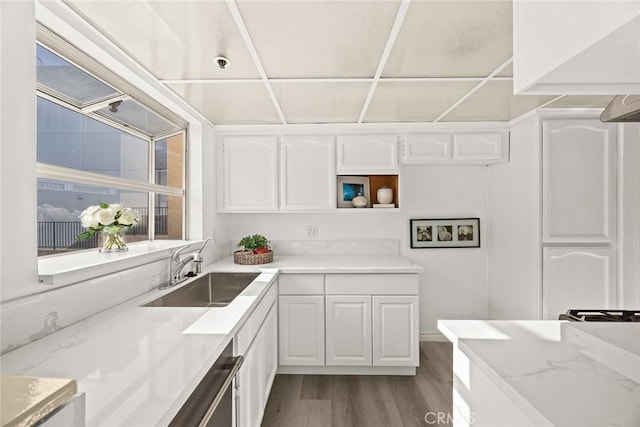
<point>482,148</point>
<point>427,148</point>
<point>580,47</point>
<point>308,173</point>
<point>250,173</point>
<point>579,181</point>
<point>367,154</point>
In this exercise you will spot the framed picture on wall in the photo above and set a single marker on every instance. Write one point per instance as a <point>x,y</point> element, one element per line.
<point>445,233</point>
<point>351,186</point>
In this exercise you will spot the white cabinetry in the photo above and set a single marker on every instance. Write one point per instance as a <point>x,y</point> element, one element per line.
<point>395,322</point>
<point>349,323</point>
<point>348,339</point>
<point>301,320</point>
<point>579,181</point>
<point>256,341</point>
<point>464,148</point>
<point>367,154</point>
<point>250,173</point>
<point>577,277</point>
<point>580,47</point>
<point>308,177</point>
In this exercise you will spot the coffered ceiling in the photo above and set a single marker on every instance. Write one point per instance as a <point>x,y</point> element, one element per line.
<point>314,61</point>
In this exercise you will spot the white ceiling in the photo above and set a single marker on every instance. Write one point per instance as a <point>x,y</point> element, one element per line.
<point>335,61</point>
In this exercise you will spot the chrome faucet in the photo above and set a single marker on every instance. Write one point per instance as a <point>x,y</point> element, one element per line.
<point>177,265</point>
<point>197,257</point>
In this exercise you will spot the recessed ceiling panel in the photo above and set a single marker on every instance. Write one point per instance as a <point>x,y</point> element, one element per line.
<point>229,103</point>
<point>494,102</point>
<point>582,101</point>
<point>319,38</point>
<point>173,39</point>
<point>317,102</point>
<point>414,101</point>
<point>452,39</point>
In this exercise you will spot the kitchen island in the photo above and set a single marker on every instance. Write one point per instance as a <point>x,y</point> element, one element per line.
<point>544,373</point>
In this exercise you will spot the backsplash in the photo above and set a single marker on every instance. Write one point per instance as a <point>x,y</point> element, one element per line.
<point>27,319</point>
<point>336,247</point>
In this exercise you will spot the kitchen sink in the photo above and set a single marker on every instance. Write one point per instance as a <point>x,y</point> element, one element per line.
<point>210,290</point>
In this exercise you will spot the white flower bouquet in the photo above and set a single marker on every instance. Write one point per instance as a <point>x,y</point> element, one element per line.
<point>112,220</point>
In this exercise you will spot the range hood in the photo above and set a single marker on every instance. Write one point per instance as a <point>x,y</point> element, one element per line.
<point>623,108</point>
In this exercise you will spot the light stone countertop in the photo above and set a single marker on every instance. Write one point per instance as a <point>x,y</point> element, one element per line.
<point>137,365</point>
<point>27,400</point>
<point>558,373</point>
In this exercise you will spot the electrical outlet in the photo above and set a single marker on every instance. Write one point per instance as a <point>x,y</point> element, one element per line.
<point>312,231</point>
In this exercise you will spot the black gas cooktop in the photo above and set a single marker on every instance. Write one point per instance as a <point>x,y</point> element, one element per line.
<point>601,315</point>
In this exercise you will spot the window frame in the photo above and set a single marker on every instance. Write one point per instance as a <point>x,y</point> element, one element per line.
<point>49,171</point>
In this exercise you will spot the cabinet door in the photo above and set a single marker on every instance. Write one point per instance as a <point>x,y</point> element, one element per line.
<point>270,328</point>
<point>250,173</point>
<point>364,154</point>
<point>427,148</point>
<point>348,320</point>
<point>301,330</point>
<point>251,397</point>
<point>579,181</point>
<point>308,174</point>
<point>578,278</point>
<point>481,147</point>
<point>395,331</point>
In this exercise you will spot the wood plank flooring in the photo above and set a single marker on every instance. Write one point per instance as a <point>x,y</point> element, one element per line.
<point>371,401</point>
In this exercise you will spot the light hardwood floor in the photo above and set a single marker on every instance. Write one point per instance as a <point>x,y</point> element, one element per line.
<point>371,401</point>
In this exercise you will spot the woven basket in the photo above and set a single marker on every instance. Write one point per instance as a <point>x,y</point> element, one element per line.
<point>248,258</point>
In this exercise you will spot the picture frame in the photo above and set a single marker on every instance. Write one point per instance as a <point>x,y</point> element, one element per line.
<point>349,187</point>
<point>445,233</point>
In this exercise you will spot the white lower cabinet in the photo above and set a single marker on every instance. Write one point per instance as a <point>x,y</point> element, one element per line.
<point>256,375</point>
<point>301,328</point>
<point>348,323</point>
<point>395,322</point>
<point>348,337</point>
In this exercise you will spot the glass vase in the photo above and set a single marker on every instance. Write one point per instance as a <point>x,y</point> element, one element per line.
<point>112,240</point>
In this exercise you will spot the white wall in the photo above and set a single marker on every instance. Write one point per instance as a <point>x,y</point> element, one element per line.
<point>454,282</point>
<point>514,268</point>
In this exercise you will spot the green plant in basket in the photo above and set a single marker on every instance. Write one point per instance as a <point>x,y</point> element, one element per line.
<point>257,244</point>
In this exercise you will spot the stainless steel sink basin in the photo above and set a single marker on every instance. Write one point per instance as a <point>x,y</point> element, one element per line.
<point>210,290</point>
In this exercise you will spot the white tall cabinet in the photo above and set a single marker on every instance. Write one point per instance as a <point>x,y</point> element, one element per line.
<point>553,218</point>
<point>578,215</point>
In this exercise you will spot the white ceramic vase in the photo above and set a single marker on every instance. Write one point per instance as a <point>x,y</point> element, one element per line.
<point>360,201</point>
<point>385,195</point>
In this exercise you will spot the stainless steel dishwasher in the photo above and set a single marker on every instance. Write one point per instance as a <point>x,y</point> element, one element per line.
<point>211,403</point>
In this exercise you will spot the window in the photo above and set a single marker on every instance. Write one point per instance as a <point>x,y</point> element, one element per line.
<point>98,144</point>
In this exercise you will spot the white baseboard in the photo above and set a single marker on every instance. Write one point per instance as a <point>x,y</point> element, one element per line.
<point>348,370</point>
<point>433,336</point>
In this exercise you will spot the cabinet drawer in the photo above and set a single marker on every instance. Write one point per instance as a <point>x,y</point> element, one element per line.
<point>250,329</point>
<point>372,284</point>
<point>301,284</point>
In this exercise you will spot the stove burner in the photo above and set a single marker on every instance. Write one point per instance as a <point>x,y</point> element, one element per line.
<point>601,315</point>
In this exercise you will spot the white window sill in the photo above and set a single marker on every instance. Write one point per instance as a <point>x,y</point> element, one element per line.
<point>65,269</point>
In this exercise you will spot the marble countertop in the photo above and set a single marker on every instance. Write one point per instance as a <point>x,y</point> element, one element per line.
<point>289,264</point>
<point>559,373</point>
<point>27,400</point>
<point>137,365</point>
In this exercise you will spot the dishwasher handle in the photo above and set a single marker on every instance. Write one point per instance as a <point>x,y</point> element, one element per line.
<point>233,367</point>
